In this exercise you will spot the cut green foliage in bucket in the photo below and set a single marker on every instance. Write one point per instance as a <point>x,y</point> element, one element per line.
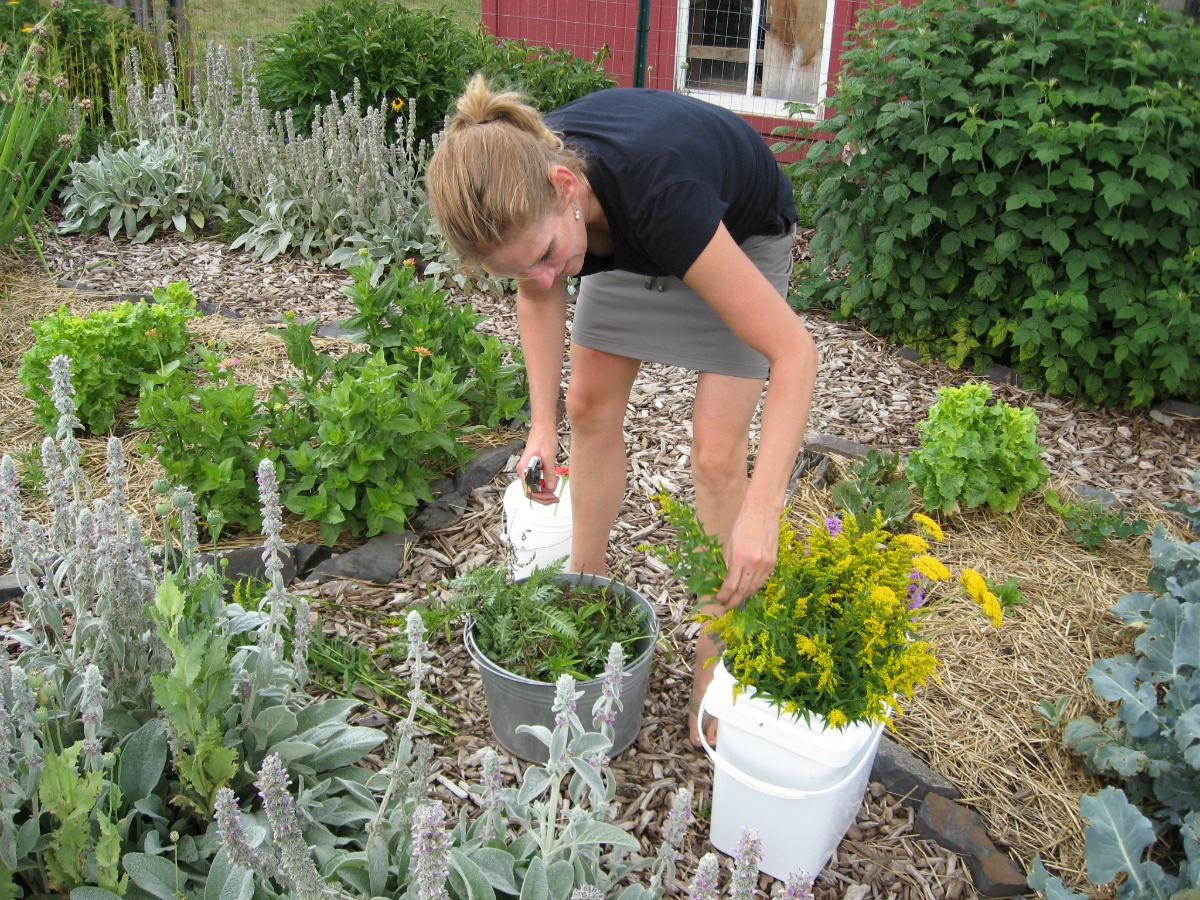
<point>540,628</point>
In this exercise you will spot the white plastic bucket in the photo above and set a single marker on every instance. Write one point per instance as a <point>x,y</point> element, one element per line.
<point>537,534</point>
<point>800,787</point>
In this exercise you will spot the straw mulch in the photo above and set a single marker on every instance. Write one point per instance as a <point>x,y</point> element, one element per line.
<point>975,724</point>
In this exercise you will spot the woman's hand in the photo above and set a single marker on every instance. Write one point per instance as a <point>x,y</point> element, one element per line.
<point>750,557</point>
<point>545,449</point>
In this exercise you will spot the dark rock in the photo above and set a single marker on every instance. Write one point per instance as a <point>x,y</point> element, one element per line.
<point>909,353</point>
<point>212,309</point>
<point>487,464</point>
<point>998,374</point>
<point>811,466</point>
<point>830,445</point>
<point>308,557</point>
<point>1181,408</point>
<point>245,564</point>
<point>1089,494</point>
<point>442,486</point>
<point>9,588</point>
<point>442,513</point>
<point>907,777</point>
<point>341,333</point>
<point>961,830</point>
<point>378,560</point>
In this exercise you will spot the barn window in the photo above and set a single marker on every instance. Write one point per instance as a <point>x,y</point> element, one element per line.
<point>754,55</point>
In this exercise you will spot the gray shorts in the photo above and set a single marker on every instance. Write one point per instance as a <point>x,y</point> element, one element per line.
<point>663,320</point>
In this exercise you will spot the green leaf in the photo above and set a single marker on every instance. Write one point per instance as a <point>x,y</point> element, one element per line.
<point>156,875</point>
<point>479,886</point>
<point>1117,835</point>
<point>143,760</point>
<point>535,885</point>
<point>90,892</point>
<point>348,746</point>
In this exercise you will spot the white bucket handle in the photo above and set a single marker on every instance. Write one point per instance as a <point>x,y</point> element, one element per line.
<point>775,790</point>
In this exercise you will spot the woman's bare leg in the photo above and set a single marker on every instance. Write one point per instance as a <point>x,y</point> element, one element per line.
<point>597,397</point>
<point>724,408</point>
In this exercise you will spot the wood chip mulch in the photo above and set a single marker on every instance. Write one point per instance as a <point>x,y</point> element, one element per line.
<point>974,724</point>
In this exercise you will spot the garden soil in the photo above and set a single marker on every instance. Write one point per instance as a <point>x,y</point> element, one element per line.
<point>975,723</point>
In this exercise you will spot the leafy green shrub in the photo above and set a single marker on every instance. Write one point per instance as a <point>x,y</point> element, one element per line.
<point>362,434</point>
<point>404,315</point>
<point>395,54</point>
<point>207,433</point>
<point>1019,182</point>
<point>111,350</point>
<point>974,453</point>
<point>549,78</point>
<point>1151,745</point>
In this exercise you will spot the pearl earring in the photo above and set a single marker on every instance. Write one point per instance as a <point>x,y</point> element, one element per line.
<point>578,215</point>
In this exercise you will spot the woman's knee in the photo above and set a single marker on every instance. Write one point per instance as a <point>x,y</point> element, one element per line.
<point>718,465</point>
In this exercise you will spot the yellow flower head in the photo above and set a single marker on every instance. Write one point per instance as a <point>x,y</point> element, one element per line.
<point>14,2</point>
<point>836,718</point>
<point>397,105</point>
<point>976,585</point>
<point>930,527</point>
<point>411,262</point>
<point>931,568</point>
<point>911,542</point>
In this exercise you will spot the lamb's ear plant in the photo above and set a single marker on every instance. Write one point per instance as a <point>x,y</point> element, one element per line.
<point>1150,746</point>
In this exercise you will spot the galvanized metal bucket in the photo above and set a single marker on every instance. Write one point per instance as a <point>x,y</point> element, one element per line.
<point>513,700</point>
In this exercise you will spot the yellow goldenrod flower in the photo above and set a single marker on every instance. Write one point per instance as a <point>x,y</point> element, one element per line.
<point>974,583</point>
<point>836,718</point>
<point>993,610</point>
<point>911,542</point>
<point>931,568</point>
<point>930,527</point>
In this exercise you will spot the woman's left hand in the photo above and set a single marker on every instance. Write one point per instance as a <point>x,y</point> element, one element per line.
<point>750,557</point>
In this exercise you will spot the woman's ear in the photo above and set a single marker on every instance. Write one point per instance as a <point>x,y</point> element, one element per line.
<point>565,182</point>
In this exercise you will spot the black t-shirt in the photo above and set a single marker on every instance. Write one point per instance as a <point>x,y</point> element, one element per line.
<point>666,168</point>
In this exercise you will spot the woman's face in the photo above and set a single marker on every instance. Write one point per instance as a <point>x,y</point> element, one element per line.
<point>549,251</point>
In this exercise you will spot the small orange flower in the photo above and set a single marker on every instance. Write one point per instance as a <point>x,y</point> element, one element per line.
<point>422,351</point>
<point>411,262</point>
<point>153,332</point>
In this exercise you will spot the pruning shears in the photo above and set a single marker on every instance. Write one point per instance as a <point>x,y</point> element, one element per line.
<point>535,476</point>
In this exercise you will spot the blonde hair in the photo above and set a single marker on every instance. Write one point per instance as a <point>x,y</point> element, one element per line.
<point>489,178</point>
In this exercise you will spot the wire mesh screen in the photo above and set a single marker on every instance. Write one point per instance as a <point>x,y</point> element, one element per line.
<point>753,56</point>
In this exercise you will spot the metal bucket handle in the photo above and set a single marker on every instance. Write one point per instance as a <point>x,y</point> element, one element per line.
<point>775,790</point>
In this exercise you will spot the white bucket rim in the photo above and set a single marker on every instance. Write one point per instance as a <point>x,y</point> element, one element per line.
<point>775,790</point>
<point>834,747</point>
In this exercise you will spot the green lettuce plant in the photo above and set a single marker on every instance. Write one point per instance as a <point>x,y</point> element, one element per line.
<point>1017,183</point>
<point>111,352</point>
<point>975,453</point>
<point>1150,746</point>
